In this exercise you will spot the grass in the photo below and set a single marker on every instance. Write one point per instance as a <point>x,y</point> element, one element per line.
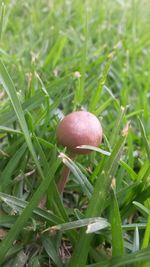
<point>57,57</point>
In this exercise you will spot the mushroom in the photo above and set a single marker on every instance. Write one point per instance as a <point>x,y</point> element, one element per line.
<point>76,129</point>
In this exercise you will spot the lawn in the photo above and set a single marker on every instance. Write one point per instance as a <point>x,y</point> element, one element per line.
<point>57,57</point>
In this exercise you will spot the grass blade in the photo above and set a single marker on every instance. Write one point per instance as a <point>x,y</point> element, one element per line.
<point>80,223</point>
<point>26,214</point>
<point>53,57</point>
<point>145,211</point>
<point>81,178</point>
<point>7,220</point>
<point>19,205</point>
<point>116,229</point>
<point>105,105</point>
<point>146,239</point>
<point>11,166</point>
<point>97,201</point>
<point>2,19</point>
<point>129,170</point>
<point>51,250</point>
<point>93,148</point>
<point>136,242</point>
<point>95,99</point>
<point>79,93</point>
<point>53,195</point>
<point>143,133</point>
<point>9,130</point>
<point>117,128</point>
<point>10,90</point>
<point>142,255</point>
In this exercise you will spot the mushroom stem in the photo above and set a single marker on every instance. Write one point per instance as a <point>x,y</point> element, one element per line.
<point>64,175</point>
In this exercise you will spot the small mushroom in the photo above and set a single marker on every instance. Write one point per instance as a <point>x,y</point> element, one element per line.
<point>76,129</point>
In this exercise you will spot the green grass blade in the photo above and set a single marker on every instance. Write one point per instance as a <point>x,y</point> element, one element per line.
<point>146,239</point>
<point>26,214</point>
<point>19,205</point>
<point>2,19</point>
<point>9,130</point>
<point>129,170</point>
<point>132,226</point>
<point>104,106</point>
<point>145,211</point>
<point>97,201</point>
<point>101,224</point>
<point>53,57</point>
<point>143,133</point>
<point>10,90</point>
<point>8,117</point>
<point>144,171</point>
<point>93,148</point>
<point>116,229</point>
<point>7,220</point>
<point>96,97</point>
<point>134,113</point>
<point>79,93</point>
<point>141,196</point>
<point>117,126</point>
<point>53,195</point>
<point>11,166</point>
<point>51,250</point>
<point>142,255</point>
<point>81,178</point>
<point>136,240</point>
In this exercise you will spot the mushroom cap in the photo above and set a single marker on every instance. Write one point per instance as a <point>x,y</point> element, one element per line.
<point>79,128</point>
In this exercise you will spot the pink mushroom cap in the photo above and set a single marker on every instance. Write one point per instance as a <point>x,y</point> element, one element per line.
<point>79,128</point>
